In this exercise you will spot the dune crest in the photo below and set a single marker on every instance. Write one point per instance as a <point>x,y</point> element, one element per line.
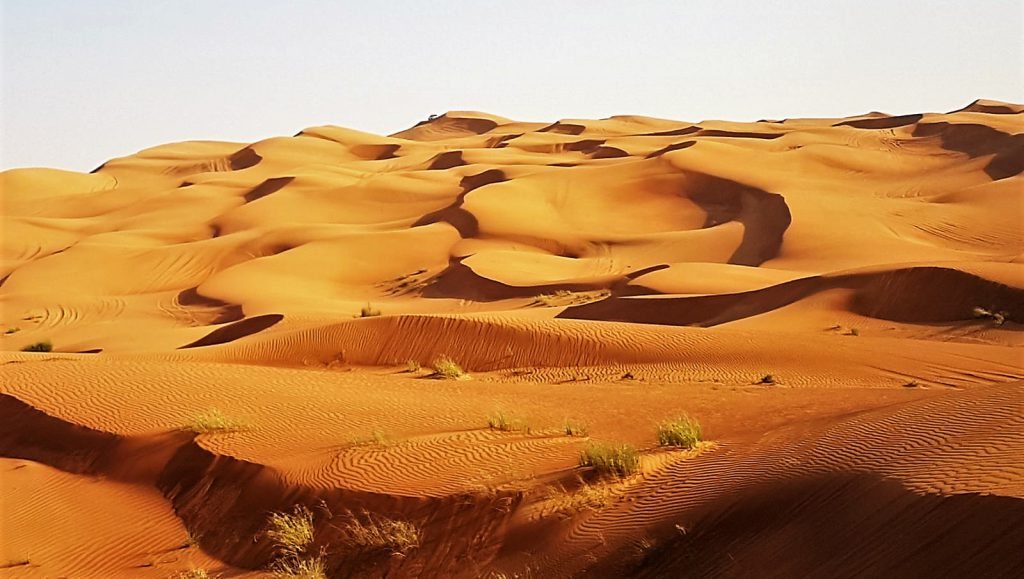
<point>204,333</point>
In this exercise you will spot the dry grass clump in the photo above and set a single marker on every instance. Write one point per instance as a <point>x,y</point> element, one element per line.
<point>507,423</point>
<point>212,420</point>
<point>303,568</point>
<point>447,369</point>
<point>44,346</point>
<point>683,432</point>
<point>293,535</point>
<point>12,330</point>
<point>588,497</point>
<point>195,574</point>
<point>767,379</point>
<point>611,459</point>
<point>574,428</point>
<point>412,367</point>
<point>569,298</point>
<point>375,533</point>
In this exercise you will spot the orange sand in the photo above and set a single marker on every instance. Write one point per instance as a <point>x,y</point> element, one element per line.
<point>612,273</point>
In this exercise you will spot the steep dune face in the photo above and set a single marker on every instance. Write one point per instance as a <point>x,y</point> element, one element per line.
<point>838,300</point>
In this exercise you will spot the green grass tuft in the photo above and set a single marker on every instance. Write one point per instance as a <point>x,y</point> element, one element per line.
<point>506,423</point>
<point>683,432</point>
<point>608,459</point>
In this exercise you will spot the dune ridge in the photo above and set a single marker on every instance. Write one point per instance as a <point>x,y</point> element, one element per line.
<point>837,301</point>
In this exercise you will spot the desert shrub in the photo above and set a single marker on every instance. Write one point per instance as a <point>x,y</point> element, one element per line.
<point>299,568</point>
<point>44,346</point>
<point>195,574</point>
<point>447,369</point>
<point>9,331</point>
<point>212,420</point>
<point>291,533</point>
<point>368,312</point>
<point>767,379</point>
<point>506,423</point>
<point>374,533</point>
<point>608,459</point>
<point>412,366</point>
<point>853,332</point>
<point>574,428</point>
<point>684,432</point>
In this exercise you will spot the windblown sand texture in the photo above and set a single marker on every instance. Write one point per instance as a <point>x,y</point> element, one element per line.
<point>609,273</point>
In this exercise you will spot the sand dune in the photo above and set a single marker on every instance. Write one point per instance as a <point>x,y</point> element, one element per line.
<point>838,301</point>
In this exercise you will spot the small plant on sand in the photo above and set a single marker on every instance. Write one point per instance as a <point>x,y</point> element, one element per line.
<point>560,297</point>
<point>376,438</point>
<point>912,384</point>
<point>574,428</point>
<point>375,533</point>
<point>299,568</point>
<point>44,346</point>
<point>608,459</point>
<point>506,423</point>
<point>587,497</point>
<point>10,331</point>
<point>212,420</point>
<point>767,379</point>
<point>682,432</point>
<point>368,311</point>
<point>852,332</point>
<point>195,574</point>
<point>447,369</point>
<point>291,533</point>
<point>998,318</point>
<point>412,367</point>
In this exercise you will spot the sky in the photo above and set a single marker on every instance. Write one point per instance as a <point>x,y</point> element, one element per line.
<point>84,81</point>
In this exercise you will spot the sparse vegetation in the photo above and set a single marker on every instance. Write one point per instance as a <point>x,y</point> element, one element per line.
<point>608,459</point>
<point>291,533</point>
<point>195,574</point>
<point>212,420</point>
<point>368,311</point>
<point>447,369</point>
<point>299,568</point>
<point>377,437</point>
<point>912,384</point>
<point>10,331</point>
<point>569,298</point>
<point>998,318</point>
<point>293,536</point>
<point>767,379</point>
<point>44,346</point>
<point>683,432</point>
<point>506,423</point>
<point>412,367</point>
<point>852,332</point>
<point>374,533</point>
<point>588,497</point>
<point>574,428</point>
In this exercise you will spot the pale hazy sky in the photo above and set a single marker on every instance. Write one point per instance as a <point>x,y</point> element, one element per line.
<point>84,81</point>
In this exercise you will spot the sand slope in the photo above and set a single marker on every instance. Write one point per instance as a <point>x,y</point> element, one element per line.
<point>612,272</point>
